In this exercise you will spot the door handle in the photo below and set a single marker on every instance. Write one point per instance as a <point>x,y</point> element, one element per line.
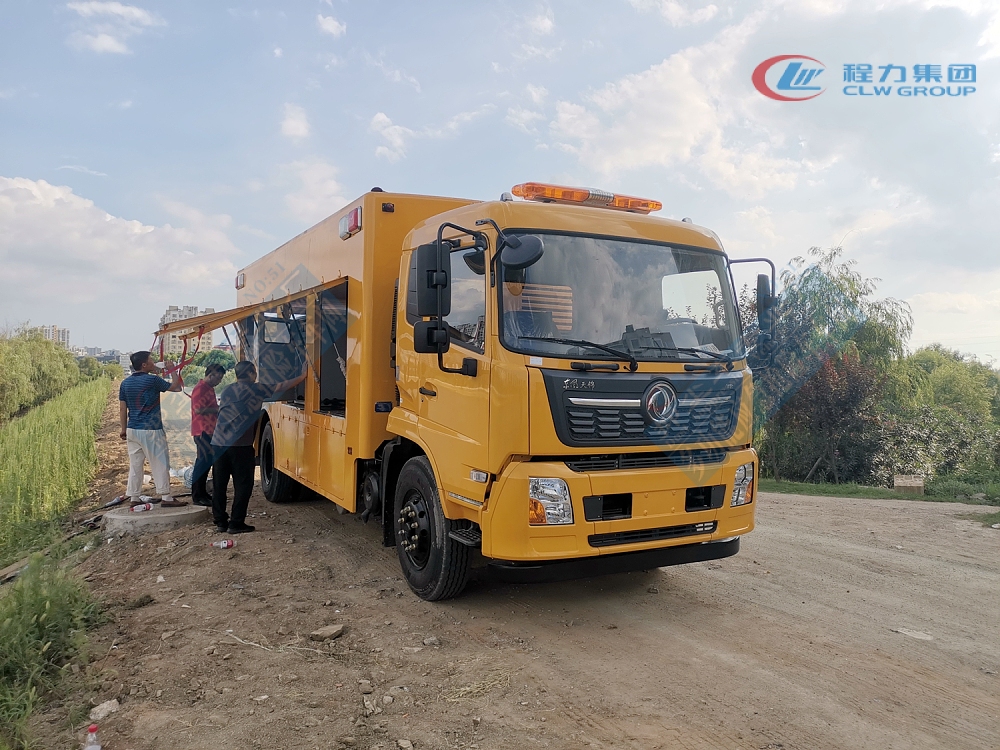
<point>427,391</point>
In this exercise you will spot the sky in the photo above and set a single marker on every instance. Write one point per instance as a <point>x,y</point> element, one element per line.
<point>149,149</point>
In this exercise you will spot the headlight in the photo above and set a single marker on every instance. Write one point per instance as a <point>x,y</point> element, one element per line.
<point>549,502</point>
<point>742,486</point>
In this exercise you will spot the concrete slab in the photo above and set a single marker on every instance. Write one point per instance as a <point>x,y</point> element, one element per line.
<point>153,521</point>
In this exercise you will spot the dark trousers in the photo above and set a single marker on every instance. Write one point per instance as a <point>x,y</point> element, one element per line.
<point>237,462</point>
<point>204,461</point>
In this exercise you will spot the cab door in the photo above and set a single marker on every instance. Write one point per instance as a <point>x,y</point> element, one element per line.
<point>454,409</point>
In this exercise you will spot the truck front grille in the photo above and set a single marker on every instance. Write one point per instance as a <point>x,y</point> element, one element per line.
<point>661,460</point>
<point>698,419</point>
<point>605,409</point>
<point>651,535</point>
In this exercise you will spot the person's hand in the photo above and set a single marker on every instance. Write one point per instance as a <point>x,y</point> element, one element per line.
<point>123,435</point>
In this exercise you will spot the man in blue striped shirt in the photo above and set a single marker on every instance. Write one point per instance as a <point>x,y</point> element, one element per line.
<point>142,426</point>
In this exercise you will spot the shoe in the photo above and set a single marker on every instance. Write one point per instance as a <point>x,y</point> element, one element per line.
<point>243,528</point>
<point>173,503</point>
<point>202,503</point>
<point>222,528</point>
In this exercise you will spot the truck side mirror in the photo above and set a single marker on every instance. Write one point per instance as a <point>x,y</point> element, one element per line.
<point>429,338</point>
<point>433,280</point>
<point>765,304</point>
<point>521,251</point>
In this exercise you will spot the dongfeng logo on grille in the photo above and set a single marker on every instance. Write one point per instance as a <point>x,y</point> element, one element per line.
<point>659,403</point>
<point>789,78</point>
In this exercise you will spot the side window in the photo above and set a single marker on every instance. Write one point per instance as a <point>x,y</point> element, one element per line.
<point>467,321</point>
<point>332,309</point>
<point>280,347</point>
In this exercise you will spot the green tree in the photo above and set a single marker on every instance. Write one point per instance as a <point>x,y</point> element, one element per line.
<point>216,356</point>
<point>838,344</point>
<point>90,368</point>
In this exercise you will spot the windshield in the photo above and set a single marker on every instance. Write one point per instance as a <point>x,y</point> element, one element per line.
<point>653,302</point>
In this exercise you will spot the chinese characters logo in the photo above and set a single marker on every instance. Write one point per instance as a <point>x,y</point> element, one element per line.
<point>796,78</point>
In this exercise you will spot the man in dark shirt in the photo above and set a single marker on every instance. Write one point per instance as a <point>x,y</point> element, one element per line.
<point>239,410</point>
<point>204,415</point>
<point>142,426</point>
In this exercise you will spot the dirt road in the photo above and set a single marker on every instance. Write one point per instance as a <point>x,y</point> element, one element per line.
<point>841,624</point>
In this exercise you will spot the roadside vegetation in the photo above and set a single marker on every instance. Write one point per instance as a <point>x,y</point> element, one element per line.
<point>47,457</point>
<point>44,616</point>
<point>34,370</point>
<point>196,370</point>
<point>847,405</point>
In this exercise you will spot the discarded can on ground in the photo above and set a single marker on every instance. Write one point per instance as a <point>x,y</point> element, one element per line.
<point>224,544</point>
<point>141,508</point>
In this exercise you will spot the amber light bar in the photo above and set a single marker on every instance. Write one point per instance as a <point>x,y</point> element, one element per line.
<point>539,191</point>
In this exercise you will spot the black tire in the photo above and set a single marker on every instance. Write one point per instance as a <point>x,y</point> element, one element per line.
<point>277,487</point>
<point>435,565</point>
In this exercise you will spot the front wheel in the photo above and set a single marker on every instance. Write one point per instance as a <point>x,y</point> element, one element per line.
<point>277,487</point>
<point>435,565</point>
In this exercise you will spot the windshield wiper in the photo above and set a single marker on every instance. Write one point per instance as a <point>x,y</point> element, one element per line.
<point>725,358</point>
<point>633,365</point>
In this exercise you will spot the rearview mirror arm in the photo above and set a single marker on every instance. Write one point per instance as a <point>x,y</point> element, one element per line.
<point>774,273</point>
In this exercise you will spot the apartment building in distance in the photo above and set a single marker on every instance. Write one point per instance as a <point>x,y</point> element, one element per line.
<point>56,334</point>
<point>172,344</point>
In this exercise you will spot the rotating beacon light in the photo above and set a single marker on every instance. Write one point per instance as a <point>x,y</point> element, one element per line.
<point>540,191</point>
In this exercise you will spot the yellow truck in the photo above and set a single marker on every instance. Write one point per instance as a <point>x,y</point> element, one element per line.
<point>559,381</point>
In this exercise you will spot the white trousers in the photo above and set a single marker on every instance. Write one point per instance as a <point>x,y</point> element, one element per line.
<point>151,446</point>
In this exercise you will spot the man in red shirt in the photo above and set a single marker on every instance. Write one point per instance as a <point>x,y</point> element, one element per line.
<point>204,416</point>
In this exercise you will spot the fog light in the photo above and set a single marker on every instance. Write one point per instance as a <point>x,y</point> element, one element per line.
<point>549,502</point>
<point>742,486</point>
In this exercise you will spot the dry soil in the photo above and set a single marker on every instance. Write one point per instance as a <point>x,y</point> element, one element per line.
<point>842,623</point>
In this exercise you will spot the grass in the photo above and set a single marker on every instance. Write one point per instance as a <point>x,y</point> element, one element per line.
<point>987,519</point>
<point>941,490</point>
<point>43,619</point>
<point>828,490</point>
<point>47,457</point>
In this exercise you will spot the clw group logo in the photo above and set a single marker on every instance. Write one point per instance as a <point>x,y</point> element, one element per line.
<point>797,78</point>
<point>790,78</point>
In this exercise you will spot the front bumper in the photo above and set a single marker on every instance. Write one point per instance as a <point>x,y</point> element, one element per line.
<point>623,562</point>
<point>659,520</point>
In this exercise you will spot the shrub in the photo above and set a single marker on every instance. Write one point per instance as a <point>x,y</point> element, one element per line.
<point>43,619</point>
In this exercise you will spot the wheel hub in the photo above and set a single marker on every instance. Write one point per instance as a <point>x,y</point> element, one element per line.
<point>413,530</point>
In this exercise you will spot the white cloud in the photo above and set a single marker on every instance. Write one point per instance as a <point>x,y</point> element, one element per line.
<point>278,52</point>
<point>678,13</point>
<point>543,23</point>
<point>676,113</point>
<point>330,25</point>
<point>319,194</point>
<point>393,74</point>
<point>522,119</point>
<point>62,257</point>
<point>108,24</point>
<point>124,104</point>
<point>296,123</point>
<point>82,169</point>
<point>397,137</point>
<point>538,94</point>
<point>531,51</point>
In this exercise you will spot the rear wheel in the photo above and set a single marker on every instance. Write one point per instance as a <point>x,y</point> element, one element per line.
<point>435,565</point>
<point>277,487</point>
